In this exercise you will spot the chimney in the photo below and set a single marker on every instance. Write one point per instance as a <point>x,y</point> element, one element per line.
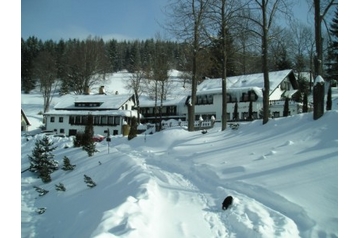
<point>101,90</point>
<point>87,91</point>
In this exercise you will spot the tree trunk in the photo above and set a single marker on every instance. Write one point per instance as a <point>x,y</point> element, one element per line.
<point>224,59</point>
<point>194,82</point>
<point>318,59</point>
<point>266,91</point>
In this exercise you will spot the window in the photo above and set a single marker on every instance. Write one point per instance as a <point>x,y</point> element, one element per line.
<point>103,120</point>
<point>52,119</point>
<point>245,115</point>
<point>205,100</point>
<point>60,119</point>
<point>200,100</point>
<point>84,120</point>
<point>72,132</point>
<point>96,120</point>
<point>252,96</point>
<point>116,120</point>
<point>245,97</point>
<point>115,132</point>
<point>78,120</point>
<point>110,120</point>
<point>62,131</point>
<point>210,99</point>
<point>71,120</point>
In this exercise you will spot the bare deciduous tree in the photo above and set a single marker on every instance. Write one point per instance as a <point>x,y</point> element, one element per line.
<point>135,84</point>
<point>223,15</point>
<point>186,22</point>
<point>262,13</point>
<point>46,71</point>
<point>320,11</point>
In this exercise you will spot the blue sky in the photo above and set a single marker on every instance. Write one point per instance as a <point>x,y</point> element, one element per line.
<point>119,19</point>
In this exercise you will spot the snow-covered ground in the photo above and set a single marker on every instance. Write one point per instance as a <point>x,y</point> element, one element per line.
<point>283,177</point>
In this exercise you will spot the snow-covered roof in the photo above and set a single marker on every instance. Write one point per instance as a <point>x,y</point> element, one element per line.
<point>124,113</point>
<point>319,79</point>
<point>110,102</point>
<point>25,117</point>
<point>243,81</point>
<point>145,101</point>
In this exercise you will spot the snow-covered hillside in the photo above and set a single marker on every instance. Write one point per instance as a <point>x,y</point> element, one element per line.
<point>283,177</point>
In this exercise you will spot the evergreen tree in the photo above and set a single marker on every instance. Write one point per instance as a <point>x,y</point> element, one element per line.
<point>87,140</point>
<point>113,55</point>
<point>29,50</point>
<point>286,108</point>
<point>77,141</point>
<point>133,129</point>
<point>67,164</point>
<point>41,191</point>
<point>41,160</point>
<point>282,61</point>
<point>232,55</point>
<point>41,210</point>
<point>88,180</point>
<point>60,187</point>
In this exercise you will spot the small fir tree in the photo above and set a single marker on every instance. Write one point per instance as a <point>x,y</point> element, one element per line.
<point>41,210</point>
<point>67,164</point>
<point>60,187</point>
<point>41,160</point>
<point>44,174</point>
<point>41,191</point>
<point>88,180</point>
<point>77,141</point>
<point>87,140</point>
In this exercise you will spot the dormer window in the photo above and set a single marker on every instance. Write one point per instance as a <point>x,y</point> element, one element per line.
<point>88,104</point>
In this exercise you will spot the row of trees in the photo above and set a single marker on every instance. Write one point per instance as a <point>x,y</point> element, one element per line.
<point>214,39</point>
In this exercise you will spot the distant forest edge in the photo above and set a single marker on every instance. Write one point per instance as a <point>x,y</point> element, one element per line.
<point>76,62</point>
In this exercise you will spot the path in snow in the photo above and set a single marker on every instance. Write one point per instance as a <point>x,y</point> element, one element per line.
<point>183,191</point>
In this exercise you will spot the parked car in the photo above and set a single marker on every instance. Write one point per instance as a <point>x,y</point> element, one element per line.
<point>98,138</point>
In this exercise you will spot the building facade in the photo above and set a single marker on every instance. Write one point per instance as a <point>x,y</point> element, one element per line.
<point>110,113</point>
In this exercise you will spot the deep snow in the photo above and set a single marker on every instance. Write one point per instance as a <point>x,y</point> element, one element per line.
<point>283,176</point>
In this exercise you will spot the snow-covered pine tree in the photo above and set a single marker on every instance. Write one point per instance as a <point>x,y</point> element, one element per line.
<point>88,180</point>
<point>41,160</point>
<point>67,164</point>
<point>41,210</point>
<point>60,187</point>
<point>87,140</point>
<point>41,191</point>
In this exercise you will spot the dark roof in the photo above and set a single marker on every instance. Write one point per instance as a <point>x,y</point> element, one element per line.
<point>25,118</point>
